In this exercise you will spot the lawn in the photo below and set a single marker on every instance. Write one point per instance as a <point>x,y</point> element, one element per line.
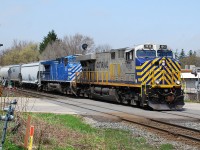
<point>69,132</point>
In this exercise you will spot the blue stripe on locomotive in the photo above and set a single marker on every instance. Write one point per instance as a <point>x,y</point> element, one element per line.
<point>60,69</point>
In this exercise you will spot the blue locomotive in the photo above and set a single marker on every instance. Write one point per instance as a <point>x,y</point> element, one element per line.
<point>59,74</point>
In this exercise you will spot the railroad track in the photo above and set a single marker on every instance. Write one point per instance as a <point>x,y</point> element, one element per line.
<point>183,114</point>
<point>184,134</point>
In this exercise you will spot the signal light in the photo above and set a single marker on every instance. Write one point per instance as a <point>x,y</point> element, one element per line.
<point>84,46</point>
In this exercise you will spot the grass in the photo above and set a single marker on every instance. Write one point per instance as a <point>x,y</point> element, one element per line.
<point>191,101</point>
<point>69,121</point>
<point>68,132</point>
<point>166,147</point>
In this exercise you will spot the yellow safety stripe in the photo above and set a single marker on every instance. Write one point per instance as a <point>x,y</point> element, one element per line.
<point>153,76</point>
<point>176,69</point>
<point>172,71</point>
<point>167,74</point>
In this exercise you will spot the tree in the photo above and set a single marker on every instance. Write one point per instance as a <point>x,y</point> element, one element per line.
<point>182,54</point>
<point>49,39</point>
<point>190,53</point>
<point>20,52</point>
<point>69,45</point>
<point>55,50</point>
<point>195,53</point>
<point>74,44</point>
<point>103,48</point>
<point>191,59</point>
<point>176,54</point>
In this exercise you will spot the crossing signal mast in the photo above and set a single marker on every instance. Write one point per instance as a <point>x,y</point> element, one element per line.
<point>8,117</point>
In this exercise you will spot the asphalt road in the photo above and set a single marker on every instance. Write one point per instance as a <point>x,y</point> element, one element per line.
<point>91,107</point>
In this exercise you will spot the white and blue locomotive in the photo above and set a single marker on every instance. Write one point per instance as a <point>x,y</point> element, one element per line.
<point>146,75</point>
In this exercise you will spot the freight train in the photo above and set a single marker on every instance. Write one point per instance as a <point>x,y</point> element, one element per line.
<point>145,75</point>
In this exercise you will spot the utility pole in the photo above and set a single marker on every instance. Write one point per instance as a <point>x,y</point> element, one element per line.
<point>198,87</point>
<point>195,72</point>
<point>0,46</point>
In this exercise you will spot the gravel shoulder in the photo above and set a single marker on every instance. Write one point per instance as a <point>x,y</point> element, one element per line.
<point>137,131</point>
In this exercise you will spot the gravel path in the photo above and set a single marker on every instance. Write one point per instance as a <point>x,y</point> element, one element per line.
<point>151,138</point>
<point>191,124</point>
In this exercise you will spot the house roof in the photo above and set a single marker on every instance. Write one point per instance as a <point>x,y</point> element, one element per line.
<point>186,70</point>
<point>187,75</point>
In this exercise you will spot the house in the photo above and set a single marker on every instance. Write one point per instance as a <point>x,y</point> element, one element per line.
<point>190,81</point>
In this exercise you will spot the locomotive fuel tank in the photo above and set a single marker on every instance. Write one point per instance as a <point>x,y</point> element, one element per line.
<point>105,94</point>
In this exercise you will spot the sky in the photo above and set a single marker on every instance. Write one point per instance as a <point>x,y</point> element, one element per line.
<point>118,23</point>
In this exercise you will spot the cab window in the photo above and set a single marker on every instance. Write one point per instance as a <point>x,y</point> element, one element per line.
<point>146,53</point>
<point>165,53</point>
<point>65,61</point>
<point>129,55</point>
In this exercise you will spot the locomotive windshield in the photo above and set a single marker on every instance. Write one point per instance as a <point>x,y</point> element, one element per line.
<point>146,53</point>
<point>165,53</point>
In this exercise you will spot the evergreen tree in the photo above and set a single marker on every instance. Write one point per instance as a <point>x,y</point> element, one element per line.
<point>195,53</point>
<point>190,53</point>
<point>176,54</point>
<point>182,54</point>
<point>51,37</point>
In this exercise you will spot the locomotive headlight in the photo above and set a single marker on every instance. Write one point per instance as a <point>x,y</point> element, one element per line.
<point>178,82</point>
<point>157,82</point>
<point>163,62</point>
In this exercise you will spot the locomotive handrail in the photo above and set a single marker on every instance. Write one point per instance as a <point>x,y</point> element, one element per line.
<point>94,76</point>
